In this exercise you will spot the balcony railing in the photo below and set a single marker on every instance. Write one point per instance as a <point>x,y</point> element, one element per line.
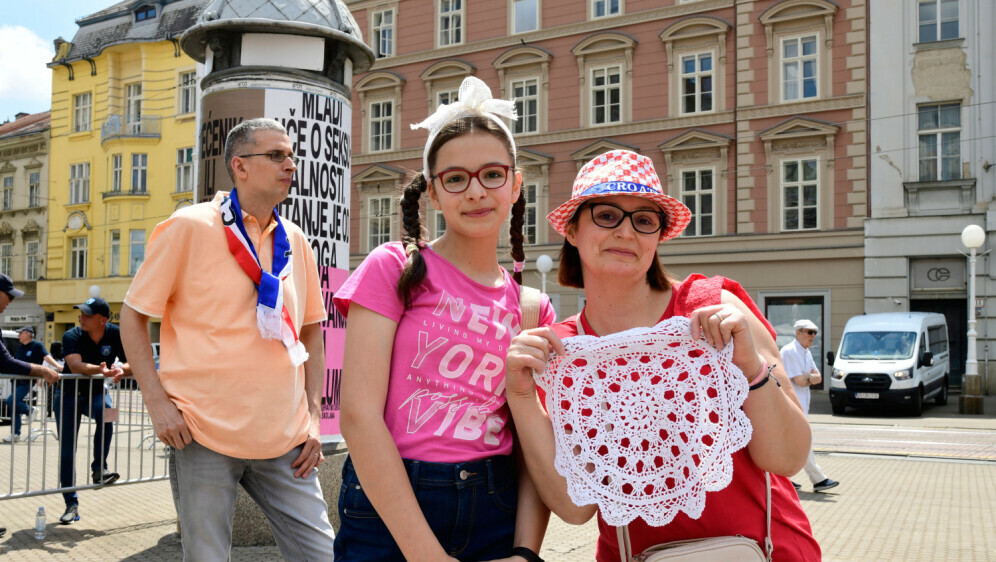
<point>126,192</point>
<point>118,126</point>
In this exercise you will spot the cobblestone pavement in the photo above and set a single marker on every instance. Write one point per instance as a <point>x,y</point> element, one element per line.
<point>911,504</point>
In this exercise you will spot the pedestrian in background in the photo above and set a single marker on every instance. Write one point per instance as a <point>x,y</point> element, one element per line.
<point>237,394</point>
<point>13,366</point>
<point>30,351</point>
<point>803,372</point>
<point>92,348</point>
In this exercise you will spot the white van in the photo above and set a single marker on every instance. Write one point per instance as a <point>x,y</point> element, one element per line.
<point>892,358</point>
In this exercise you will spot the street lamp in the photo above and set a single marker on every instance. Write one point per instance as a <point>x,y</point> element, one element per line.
<point>970,401</point>
<point>94,291</point>
<point>544,264</point>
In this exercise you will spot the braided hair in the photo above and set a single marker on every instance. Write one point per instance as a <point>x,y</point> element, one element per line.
<point>412,238</point>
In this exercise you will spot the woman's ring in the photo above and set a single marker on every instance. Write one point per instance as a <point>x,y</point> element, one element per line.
<point>718,315</point>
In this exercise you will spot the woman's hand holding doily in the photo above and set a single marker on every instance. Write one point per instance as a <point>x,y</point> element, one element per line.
<point>720,324</point>
<point>646,421</point>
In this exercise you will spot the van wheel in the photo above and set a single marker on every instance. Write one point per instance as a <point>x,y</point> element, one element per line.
<point>837,407</point>
<point>916,409</point>
<point>942,398</point>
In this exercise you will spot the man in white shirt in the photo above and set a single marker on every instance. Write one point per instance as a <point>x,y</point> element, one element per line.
<point>802,369</point>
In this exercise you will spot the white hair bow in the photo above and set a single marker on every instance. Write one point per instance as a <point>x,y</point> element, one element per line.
<point>473,99</point>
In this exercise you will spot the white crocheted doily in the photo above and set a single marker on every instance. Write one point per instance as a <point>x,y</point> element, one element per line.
<point>646,421</point>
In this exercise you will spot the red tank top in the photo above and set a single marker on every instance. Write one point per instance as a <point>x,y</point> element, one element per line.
<point>739,509</point>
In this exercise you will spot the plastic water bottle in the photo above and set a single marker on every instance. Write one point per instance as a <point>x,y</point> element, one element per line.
<point>108,384</point>
<point>40,524</point>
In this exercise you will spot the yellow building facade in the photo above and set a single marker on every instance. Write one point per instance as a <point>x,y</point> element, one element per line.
<point>123,125</point>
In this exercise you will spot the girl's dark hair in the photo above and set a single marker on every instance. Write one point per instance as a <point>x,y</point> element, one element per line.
<point>414,272</point>
<point>569,273</point>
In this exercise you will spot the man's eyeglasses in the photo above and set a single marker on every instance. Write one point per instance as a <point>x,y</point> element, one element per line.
<point>456,180</point>
<point>810,332</point>
<point>607,215</point>
<point>274,155</point>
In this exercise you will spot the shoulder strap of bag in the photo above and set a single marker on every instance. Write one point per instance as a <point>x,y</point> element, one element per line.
<point>626,548</point>
<point>529,303</point>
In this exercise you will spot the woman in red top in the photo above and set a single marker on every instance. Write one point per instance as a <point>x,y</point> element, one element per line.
<point>615,260</point>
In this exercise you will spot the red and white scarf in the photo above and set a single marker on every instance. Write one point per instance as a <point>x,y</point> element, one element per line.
<point>272,318</point>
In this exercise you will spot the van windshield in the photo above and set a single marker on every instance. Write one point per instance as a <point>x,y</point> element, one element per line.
<point>878,345</point>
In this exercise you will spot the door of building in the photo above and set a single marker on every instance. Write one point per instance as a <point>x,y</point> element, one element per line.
<point>956,313</point>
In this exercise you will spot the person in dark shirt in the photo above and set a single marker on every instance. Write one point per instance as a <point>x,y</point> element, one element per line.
<point>16,366</point>
<point>90,349</point>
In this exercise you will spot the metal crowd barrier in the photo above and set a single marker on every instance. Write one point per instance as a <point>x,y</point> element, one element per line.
<point>32,464</point>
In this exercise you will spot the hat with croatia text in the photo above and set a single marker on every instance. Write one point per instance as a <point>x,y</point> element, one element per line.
<point>621,172</point>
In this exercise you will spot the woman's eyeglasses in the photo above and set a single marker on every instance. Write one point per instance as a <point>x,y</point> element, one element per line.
<point>607,215</point>
<point>456,180</point>
<point>274,155</point>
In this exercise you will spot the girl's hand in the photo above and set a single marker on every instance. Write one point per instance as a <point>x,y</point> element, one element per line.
<point>718,325</point>
<point>528,352</point>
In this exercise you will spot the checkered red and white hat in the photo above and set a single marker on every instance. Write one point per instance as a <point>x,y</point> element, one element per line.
<point>621,172</point>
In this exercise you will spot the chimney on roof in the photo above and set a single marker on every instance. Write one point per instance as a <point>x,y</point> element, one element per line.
<point>20,114</point>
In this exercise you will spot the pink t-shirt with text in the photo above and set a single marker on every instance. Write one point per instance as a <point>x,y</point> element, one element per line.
<point>446,395</point>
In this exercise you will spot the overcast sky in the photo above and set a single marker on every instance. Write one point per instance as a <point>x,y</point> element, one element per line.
<point>27,29</point>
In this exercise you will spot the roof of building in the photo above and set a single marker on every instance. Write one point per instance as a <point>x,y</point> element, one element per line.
<point>34,123</point>
<point>116,25</point>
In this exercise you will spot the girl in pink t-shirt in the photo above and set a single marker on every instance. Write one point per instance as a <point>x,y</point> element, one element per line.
<point>431,473</point>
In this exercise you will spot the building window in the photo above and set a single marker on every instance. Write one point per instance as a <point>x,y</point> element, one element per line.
<point>529,221</point>
<point>606,95</point>
<point>800,194</point>
<point>116,173</point>
<point>8,193</point>
<point>34,189</point>
<point>450,22</point>
<point>938,20</point>
<point>115,253</point>
<point>383,32</point>
<point>602,8</point>
<point>696,83</point>
<point>697,193</point>
<point>438,224</point>
<point>525,15</point>
<point>133,107</point>
<point>185,170</point>
<point>7,259</point>
<point>79,183</point>
<point>380,221</point>
<point>139,172</point>
<point>136,250</point>
<point>939,129</point>
<point>81,112</point>
<point>447,97</point>
<point>188,92</point>
<point>800,62</point>
<point>31,260</point>
<point>145,13</point>
<point>381,125</point>
<point>77,258</point>
<point>526,95</point>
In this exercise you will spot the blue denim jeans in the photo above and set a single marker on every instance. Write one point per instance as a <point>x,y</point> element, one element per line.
<point>16,405</point>
<point>469,506</point>
<point>69,407</point>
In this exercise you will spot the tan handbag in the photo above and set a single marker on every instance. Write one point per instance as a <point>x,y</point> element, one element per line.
<point>714,549</point>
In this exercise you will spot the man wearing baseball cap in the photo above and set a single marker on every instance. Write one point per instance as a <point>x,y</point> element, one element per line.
<point>90,349</point>
<point>13,366</point>
<point>802,370</point>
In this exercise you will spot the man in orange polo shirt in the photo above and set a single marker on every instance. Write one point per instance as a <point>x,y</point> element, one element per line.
<point>237,394</point>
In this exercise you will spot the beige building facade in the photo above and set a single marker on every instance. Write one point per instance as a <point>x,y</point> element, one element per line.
<point>754,114</point>
<point>24,147</point>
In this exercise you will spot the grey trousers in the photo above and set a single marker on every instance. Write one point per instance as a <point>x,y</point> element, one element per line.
<point>204,489</point>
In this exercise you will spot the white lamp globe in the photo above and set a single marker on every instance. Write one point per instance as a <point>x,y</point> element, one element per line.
<point>544,264</point>
<point>94,291</point>
<point>973,236</point>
